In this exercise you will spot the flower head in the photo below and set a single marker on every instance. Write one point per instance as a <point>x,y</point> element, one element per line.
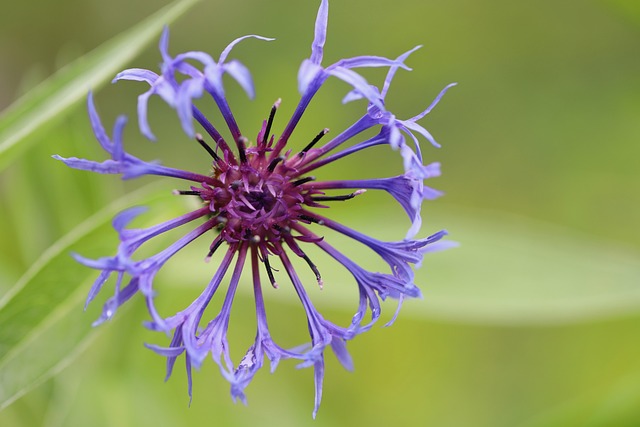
<point>259,204</point>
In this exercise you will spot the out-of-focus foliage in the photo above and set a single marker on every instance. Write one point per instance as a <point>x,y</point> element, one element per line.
<point>532,321</point>
<point>49,101</point>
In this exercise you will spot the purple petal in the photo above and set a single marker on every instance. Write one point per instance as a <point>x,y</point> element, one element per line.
<point>318,375</point>
<point>320,37</point>
<point>339,347</point>
<point>112,304</point>
<point>384,284</point>
<point>189,378</point>
<point>106,167</point>
<point>353,95</point>
<point>395,136</point>
<point>96,125</point>
<point>123,219</point>
<point>431,170</point>
<point>165,351</point>
<point>422,131</point>
<point>133,238</point>
<point>399,255</point>
<point>164,44</point>
<point>143,121</point>
<point>97,286</point>
<point>412,163</point>
<point>306,74</point>
<point>104,263</point>
<point>442,245</point>
<point>406,189</point>
<point>202,57</point>
<point>117,152</point>
<point>369,61</point>
<point>433,103</point>
<point>394,69</point>
<point>359,83</point>
<point>416,224</point>
<point>397,312</point>
<point>201,302</point>
<point>227,50</point>
<point>189,90</point>
<point>176,341</point>
<point>242,75</point>
<point>136,74</point>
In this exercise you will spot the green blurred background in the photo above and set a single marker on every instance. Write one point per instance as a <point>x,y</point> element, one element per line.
<point>533,321</point>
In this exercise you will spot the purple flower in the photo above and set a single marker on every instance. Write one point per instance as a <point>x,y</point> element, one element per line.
<point>258,206</point>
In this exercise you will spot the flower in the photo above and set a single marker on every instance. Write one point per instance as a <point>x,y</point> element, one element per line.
<point>259,205</point>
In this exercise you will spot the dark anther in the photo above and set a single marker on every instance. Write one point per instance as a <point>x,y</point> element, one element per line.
<point>311,219</point>
<point>274,163</point>
<point>313,268</point>
<point>310,145</point>
<point>270,271</point>
<point>283,230</point>
<point>206,147</point>
<point>236,184</point>
<point>267,130</point>
<point>336,198</point>
<point>214,246</point>
<point>186,193</point>
<point>303,180</point>
<point>242,147</point>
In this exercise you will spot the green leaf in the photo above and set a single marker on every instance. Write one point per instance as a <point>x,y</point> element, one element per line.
<point>49,101</point>
<point>42,325</point>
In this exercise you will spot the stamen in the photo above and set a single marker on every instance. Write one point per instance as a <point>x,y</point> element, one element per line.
<point>303,180</point>
<point>337,198</point>
<point>186,193</point>
<point>214,246</point>
<point>310,145</point>
<point>274,163</point>
<point>314,269</point>
<point>207,147</point>
<point>267,130</point>
<point>285,229</point>
<point>269,271</point>
<point>311,219</point>
<point>242,147</point>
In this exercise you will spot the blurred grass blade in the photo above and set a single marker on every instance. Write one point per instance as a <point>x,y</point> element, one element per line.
<point>25,238</point>
<point>50,100</point>
<point>42,324</point>
<point>515,270</point>
<point>509,270</point>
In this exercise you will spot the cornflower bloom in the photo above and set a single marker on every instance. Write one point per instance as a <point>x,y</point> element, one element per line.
<point>259,204</point>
